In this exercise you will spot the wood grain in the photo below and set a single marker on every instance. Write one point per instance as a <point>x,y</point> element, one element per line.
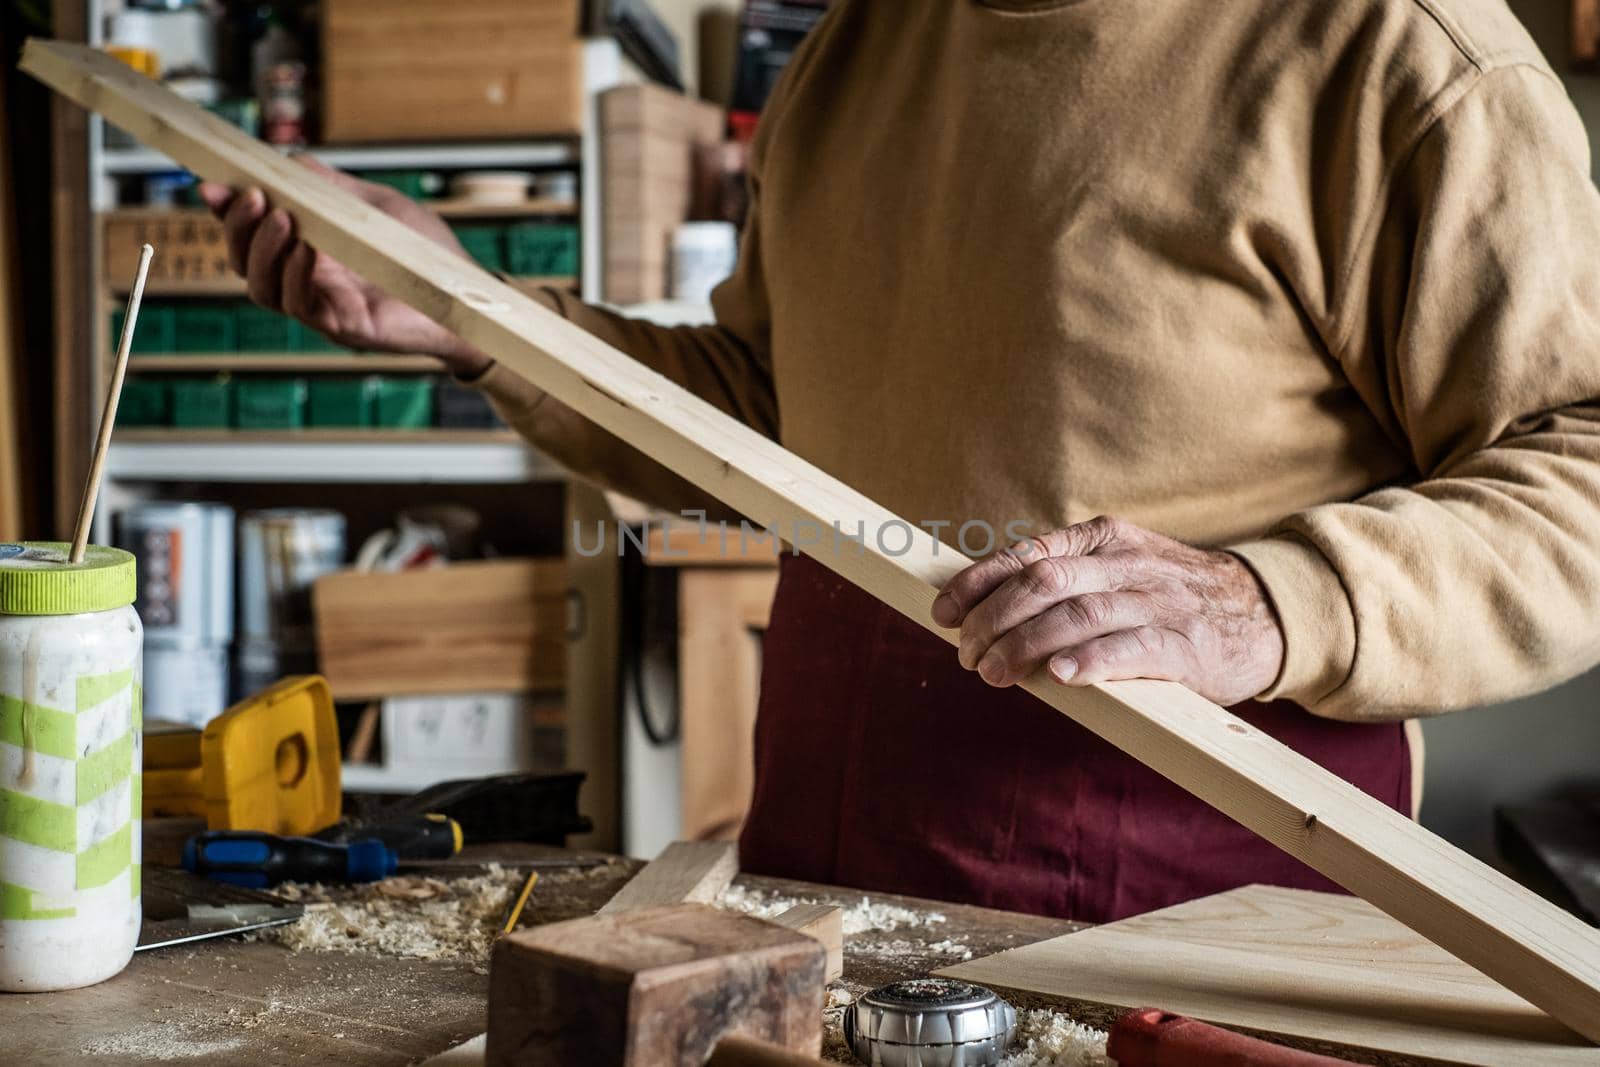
<point>657,987</point>
<point>686,872</point>
<point>477,626</point>
<point>823,922</point>
<point>1482,916</point>
<point>1293,963</point>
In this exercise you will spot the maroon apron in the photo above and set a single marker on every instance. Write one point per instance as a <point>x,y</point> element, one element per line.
<point>882,764</point>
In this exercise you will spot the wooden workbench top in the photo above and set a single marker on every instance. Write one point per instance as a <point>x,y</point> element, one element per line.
<point>257,1003</point>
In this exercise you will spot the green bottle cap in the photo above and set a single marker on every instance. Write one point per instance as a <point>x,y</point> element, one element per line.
<point>36,579</point>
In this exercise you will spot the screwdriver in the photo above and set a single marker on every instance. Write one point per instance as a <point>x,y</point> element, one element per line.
<point>257,860</point>
<point>411,837</point>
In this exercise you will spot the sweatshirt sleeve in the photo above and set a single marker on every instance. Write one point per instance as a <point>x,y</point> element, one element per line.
<point>726,363</point>
<point>1470,325</point>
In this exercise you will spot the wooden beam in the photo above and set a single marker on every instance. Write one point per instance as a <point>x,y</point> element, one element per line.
<point>686,872</point>
<point>825,923</point>
<point>1483,917</point>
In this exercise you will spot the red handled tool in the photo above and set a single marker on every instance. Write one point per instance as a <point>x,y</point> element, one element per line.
<point>1150,1037</point>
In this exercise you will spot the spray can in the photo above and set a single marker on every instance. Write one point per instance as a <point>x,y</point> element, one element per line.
<point>70,755</point>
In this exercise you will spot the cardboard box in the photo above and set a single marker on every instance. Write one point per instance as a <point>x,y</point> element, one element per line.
<point>398,70</point>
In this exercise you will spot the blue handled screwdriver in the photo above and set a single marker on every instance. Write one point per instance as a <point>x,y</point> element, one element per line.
<point>257,860</point>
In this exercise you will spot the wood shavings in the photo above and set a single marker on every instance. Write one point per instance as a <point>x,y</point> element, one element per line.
<point>1050,1039</point>
<point>408,917</point>
<point>864,917</point>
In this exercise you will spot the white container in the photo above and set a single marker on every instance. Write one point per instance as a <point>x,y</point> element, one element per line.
<point>281,552</point>
<point>70,757</point>
<point>185,562</point>
<point>703,255</point>
<point>461,734</point>
<point>185,682</point>
<point>185,569</point>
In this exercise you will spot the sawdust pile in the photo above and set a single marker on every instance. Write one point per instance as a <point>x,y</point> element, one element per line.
<point>866,917</point>
<point>1050,1039</point>
<point>410,917</point>
<point>158,1041</point>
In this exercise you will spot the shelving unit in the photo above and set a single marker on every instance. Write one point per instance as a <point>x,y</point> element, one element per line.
<point>321,456</point>
<point>245,467</point>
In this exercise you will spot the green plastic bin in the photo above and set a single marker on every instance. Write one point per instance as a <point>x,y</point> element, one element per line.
<point>542,248</point>
<point>202,403</point>
<point>269,403</point>
<point>405,403</point>
<point>205,327</point>
<point>257,329</point>
<point>341,403</point>
<point>145,402</point>
<point>485,244</point>
<point>154,333</point>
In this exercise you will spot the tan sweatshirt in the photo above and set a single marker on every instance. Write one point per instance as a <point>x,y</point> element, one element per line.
<point>1318,281</point>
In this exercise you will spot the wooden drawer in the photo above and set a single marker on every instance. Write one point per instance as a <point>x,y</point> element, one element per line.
<point>476,627</point>
<point>397,70</point>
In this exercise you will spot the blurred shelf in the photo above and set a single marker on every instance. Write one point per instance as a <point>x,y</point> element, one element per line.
<point>485,457</point>
<point>455,208</point>
<point>233,286</point>
<point>286,363</point>
<point>463,156</point>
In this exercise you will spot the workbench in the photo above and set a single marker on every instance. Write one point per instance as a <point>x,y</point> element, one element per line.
<point>237,1001</point>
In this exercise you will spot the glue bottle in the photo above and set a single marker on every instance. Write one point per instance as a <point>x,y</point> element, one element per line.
<point>70,756</point>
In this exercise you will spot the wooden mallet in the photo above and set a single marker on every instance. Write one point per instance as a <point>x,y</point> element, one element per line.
<point>674,986</point>
<point>108,415</point>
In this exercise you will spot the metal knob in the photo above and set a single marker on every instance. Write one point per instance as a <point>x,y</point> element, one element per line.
<point>930,1022</point>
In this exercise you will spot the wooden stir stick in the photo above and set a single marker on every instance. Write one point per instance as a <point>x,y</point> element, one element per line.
<point>108,417</point>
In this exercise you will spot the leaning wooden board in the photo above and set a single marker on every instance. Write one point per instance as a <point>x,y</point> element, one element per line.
<point>1478,914</point>
<point>1295,964</point>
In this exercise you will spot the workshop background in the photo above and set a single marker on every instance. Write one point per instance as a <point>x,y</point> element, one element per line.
<point>297,507</point>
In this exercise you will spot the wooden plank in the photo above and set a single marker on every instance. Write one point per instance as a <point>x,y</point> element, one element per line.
<point>1291,963</point>
<point>647,144</point>
<point>1477,913</point>
<point>476,626</point>
<point>686,872</point>
<point>12,411</point>
<point>722,614</point>
<point>594,741</point>
<point>825,923</point>
<point>77,329</point>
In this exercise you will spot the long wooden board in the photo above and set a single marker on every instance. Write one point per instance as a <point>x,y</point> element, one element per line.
<point>1297,964</point>
<point>1476,913</point>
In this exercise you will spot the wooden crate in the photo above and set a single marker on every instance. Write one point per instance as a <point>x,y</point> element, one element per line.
<point>648,136</point>
<point>485,626</point>
<point>397,70</point>
<point>189,242</point>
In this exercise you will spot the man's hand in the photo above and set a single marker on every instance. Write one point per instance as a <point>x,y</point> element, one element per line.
<point>286,274</point>
<point>1104,600</point>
